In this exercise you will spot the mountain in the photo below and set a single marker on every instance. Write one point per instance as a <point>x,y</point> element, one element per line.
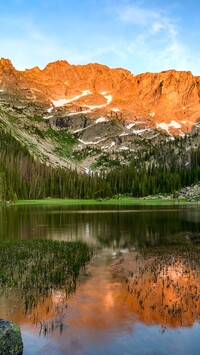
<point>92,118</point>
<point>169,100</point>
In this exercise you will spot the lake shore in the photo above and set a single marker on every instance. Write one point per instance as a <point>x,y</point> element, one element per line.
<point>112,201</point>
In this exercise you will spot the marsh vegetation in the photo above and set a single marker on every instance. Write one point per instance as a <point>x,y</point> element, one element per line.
<point>36,269</point>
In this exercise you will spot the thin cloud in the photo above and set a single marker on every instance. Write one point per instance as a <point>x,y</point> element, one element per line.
<point>152,37</point>
<point>134,37</point>
<point>137,15</point>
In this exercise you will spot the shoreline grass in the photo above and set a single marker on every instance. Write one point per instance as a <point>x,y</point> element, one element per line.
<point>121,201</point>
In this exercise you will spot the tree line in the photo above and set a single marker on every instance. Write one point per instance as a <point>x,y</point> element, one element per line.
<point>23,177</point>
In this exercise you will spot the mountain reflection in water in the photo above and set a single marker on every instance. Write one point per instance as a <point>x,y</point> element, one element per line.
<point>149,290</point>
<point>163,289</point>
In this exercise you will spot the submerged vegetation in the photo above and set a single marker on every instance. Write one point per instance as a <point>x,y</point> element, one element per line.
<point>34,269</point>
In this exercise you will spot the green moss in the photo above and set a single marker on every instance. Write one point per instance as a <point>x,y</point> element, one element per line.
<point>10,338</point>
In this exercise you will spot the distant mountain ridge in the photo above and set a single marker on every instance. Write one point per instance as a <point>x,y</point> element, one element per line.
<point>168,101</point>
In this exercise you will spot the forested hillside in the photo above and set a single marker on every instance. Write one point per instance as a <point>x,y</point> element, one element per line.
<point>159,169</point>
<point>23,177</point>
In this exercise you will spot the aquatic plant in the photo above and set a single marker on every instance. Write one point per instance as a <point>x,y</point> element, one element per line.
<point>34,269</point>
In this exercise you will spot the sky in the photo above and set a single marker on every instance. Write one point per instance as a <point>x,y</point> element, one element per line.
<point>138,35</point>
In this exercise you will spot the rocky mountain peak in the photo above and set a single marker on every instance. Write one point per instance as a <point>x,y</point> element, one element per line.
<point>5,63</point>
<point>168,101</point>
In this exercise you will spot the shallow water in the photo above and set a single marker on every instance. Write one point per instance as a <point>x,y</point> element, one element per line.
<point>102,317</point>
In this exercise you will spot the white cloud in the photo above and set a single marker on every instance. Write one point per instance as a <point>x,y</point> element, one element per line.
<point>133,36</point>
<point>147,19</point>
<point>157,26</point>
<point>153,38</point>
<point>137,15</point>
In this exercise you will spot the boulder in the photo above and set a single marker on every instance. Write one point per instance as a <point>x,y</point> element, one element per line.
<point>10,338</point>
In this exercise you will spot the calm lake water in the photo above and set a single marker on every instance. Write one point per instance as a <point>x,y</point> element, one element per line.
<point>101,317</point>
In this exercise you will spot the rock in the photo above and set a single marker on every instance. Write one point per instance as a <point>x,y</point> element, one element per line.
<point>168,101</point>
<point>191,192</point>
<point>10,338</point>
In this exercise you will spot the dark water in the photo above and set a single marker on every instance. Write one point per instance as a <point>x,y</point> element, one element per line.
<point>101,317</point>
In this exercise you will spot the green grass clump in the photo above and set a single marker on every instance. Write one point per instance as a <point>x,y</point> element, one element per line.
<point>36,118</point>
<point>64,141</point>
<point>36,268</point>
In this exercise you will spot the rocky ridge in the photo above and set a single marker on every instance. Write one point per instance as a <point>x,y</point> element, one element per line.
<point>84,117</point>
<point>168,101</point>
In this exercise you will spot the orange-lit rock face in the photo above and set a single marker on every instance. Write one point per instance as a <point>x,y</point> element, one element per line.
<point>168,100</point>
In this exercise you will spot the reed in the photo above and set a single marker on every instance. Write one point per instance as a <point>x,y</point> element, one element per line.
<point>34,269</point>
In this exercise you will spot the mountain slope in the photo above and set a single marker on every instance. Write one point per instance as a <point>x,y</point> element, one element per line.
<point>92,118</point>
<point>169,100</point>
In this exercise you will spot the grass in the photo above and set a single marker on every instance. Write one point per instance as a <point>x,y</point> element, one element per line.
<point>34,269</point>
<point>113,201</point>
<point>64,141</point>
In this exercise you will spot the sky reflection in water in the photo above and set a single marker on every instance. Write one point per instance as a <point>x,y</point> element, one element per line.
<point>107,315</point>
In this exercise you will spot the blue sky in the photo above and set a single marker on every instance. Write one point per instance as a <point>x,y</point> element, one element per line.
<point>140,36</point>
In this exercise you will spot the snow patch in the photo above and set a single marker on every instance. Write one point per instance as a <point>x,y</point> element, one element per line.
<point>50,109</point>
<point>78,113</point>
<point>112,144</point>
<point>163,126</point>
<point>174,124</point>
<point>101,119</point>
<point>130,125</point>
<point>108,98</point>
<point>91,142</point>
<point>166,126</point>
<point>123,148</point>
<point>152,114</point>
<point>94,107</point>
<point>115,110</point>
<point>47,117</point>
<point>62,102</point>
<point>86,92</point>
<point>184,122</point>
<point>59,103</point>
<point>139,131</point>
<point>85,143</point>
<point>124,134</point>
<point>1,90</point>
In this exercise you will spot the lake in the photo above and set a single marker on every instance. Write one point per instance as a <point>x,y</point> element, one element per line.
<point>104,315</point>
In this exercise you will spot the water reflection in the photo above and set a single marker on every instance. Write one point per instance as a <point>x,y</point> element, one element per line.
<point>163,289</point>
<point>99,225</point>
<point>104,314</point>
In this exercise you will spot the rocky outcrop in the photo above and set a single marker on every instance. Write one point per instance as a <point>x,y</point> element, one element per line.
<point>10,338</point>
<point>168,101</point>
<point>192,193</point>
